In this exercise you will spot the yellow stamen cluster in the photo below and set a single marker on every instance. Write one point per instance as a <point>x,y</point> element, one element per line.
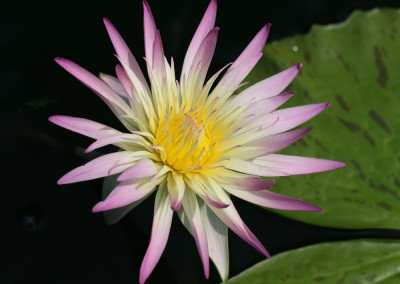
<point>184,141</point>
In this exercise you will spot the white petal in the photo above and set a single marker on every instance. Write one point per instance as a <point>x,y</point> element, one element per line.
<point>194,217</point>
<point>159,233</point>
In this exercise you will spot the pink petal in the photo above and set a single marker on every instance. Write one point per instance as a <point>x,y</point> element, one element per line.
<point>124,194</point>
<point>294,116</point>
<point>114,84</point>
<point>295,165</point>
<point>202,60</point>
<point>122,50</point>
<point>159,233</point>
<point>255,46</point>
<point>269,87</point>
<point>114,139</point>
<point>269,104</point>
<point>232,79</point>
<point>253,169</point>
<point>254,184</point>
<point>129,88</point>
<point>158,62</point>
<point>206,25</point>
<point>93,82</point>
<point>231,218</point>
<point>194,217</point>
<point>149,32</point>
<point>143,168</point>
<point>100,167</point>
<point>280,141</point>
<point>83,126</point>
<point>205,192</point>
<point>273,200</point>
<point>176,189</point>
<point>217,238</point>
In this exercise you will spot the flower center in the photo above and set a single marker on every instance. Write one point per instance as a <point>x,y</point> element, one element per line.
<point>184,141</point>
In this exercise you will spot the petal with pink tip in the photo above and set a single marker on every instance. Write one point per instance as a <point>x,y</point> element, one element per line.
<point>94,83</point>
<point>269,104</point>
<point>100,167</point>
<point>206,25</point>
<point>123,52</point>
<point>232,79</point>
<point>253,184</point>
<point>280,141</point>
<point>143,168</point>
<point>253,169</point>
<point>206,193</point>
<point>273,200</point>
<point>176,189</point>
<point>296,165</point>
<point>149,32</point>
<point>269,87</point>
<point>217,237</point>
<point>231,218</point>
<point>294,116</point>
<point>83,126</point>
<point>159,233</point>
<point>255,46</point>
<point>114,84</point>
<point>115,139</point>
<point>124,194</point>
<point>158,62</point>
<point>194,217</point>
<point>202,61</point>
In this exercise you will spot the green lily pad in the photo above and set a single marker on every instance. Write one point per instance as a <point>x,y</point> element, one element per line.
<point>356,66</point>
<point>356,261</point>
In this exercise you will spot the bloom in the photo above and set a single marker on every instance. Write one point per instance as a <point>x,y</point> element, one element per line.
<point>193,143</point>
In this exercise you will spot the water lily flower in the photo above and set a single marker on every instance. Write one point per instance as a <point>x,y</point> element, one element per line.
<point>193,142</point>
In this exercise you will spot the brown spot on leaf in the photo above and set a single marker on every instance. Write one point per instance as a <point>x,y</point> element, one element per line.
<point>384,205</point>
<point>379,120</point>
<point>352,126</point>
<point>370,278</point>
<point>383,75</point>
<point>359,170</point>
<point>307,95</point>
<point>319,278</point>
<point>396,181</point>
<point>341,280</point>
<point>318,143</point>
<point>341,102</point>
<point>384,188</point>
<point>369,138</point>
<point>311,75</point>
<point>341,59</point>
<point>307,56</point>
<point>303,143</point>
<point>356,79</point>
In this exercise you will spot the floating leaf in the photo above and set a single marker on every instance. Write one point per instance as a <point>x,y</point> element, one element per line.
<point>355,65</point>
<point>356,261</point>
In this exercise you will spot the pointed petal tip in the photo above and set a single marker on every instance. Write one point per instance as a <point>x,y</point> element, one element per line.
<point>59,60</point>
<point>52,118</point>
<point>299,65</point>
<point>146,5</point>
<point>98,207</point>
<point>176,207</point>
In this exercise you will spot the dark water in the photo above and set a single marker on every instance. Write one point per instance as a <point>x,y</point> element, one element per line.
<point>48,233</point>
